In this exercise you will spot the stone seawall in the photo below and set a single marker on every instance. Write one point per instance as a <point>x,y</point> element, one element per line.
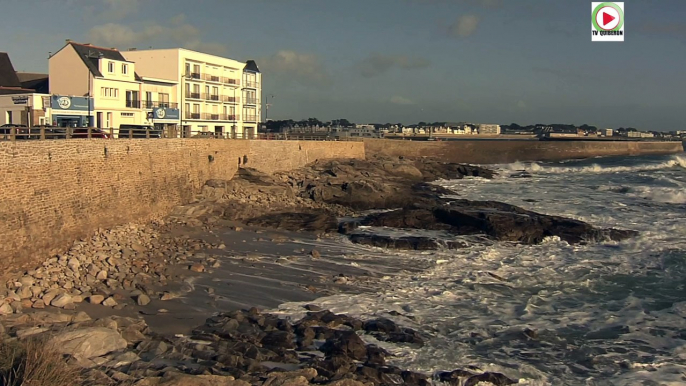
<point>492,152</point>
<point>54,192</point>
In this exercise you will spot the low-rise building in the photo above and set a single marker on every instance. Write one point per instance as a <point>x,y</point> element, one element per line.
<point>20,105</point>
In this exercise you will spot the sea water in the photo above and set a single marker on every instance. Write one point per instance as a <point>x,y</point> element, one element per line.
<point>609,313</point>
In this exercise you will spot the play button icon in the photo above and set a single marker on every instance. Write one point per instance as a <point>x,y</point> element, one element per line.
<point>607,18</point>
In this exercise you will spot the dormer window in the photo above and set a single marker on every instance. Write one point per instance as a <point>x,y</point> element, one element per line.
<point>124,69</point>
<point>110,67</point>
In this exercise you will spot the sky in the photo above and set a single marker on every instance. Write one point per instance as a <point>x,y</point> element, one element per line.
<point>404,61</point>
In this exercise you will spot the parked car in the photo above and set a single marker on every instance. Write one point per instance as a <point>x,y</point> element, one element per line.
<point>82,132</point>
<point>138,131</point>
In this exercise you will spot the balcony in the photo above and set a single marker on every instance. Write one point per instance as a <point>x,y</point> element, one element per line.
<point>190,115</point>
<point>211,117</point>
<point>230,99</point>
<point>231,81</point>
<point>250,118</point>
<point>160,104</point>
<point>249,84</point>
<point>193,75</point>
<point>210,97</point>
<point>193,95</point>
<point>133,104</point>
<point>250,101</point>
<point>212,78</point>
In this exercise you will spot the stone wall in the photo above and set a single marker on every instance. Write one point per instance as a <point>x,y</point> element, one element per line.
<point>492,152</point>
<point>54,192</point>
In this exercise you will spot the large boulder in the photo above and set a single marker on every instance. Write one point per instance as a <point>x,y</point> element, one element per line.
<point>89,342</point>
<point>174,379</point>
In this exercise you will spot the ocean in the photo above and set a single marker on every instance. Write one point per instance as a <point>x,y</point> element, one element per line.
<point>609,313</point>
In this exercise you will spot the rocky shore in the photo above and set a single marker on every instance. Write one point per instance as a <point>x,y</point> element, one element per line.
<point>90,303</point>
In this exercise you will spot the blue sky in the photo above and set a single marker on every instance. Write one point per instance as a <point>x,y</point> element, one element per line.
<point>494,61</point>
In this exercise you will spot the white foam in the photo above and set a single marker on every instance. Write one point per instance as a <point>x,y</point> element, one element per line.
<point>601,312</point>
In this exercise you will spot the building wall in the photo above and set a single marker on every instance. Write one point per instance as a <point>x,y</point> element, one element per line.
<point>68,74</point>
<point>58,191</point>
<point>494,152</point>
<point>148,63</point>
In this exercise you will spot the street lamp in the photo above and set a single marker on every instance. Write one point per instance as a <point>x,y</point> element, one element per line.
<point>266,105</point>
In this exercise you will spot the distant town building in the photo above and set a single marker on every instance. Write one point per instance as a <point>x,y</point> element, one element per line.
<point>608,132</point>
<point>489,129</point>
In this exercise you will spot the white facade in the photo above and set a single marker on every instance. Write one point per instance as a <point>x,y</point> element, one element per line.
<point>217,96</point>
<point>487,129</point>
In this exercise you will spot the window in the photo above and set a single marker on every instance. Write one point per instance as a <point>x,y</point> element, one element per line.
<point>109,92</point>
<point>163,99</point>
<point>124,68</point>
<point>187,108</point>
<point>132,99</point>
<point>108,122</point>
<point>196,109</point>
<point>110,67</point>
<point>148,100</point>
<point>188,69</point>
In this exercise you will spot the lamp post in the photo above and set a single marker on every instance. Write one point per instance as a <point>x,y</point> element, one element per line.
<point>266,107</point>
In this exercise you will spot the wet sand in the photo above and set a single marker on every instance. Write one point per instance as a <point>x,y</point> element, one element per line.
<point>262,268</point>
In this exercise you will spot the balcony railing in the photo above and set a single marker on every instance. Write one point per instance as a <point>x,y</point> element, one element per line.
<point>250,84</point>
<point>133,104</point>
<point>250,118</point>
<point>230,99</point>
<point>211,116</point>
<point>230,117</point>
<point>232,81</point>
<point>193,95</point>
<point>160,104</point>
<point>190,115</point>
<point>250,101</point>
<point>193,75</point>
<point>210,97</point>
<point>212,78</point>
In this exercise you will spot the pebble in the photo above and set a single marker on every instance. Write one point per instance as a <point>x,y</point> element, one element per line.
<point>109,302</point>
<point>143,300</point>
<point>95,299</point>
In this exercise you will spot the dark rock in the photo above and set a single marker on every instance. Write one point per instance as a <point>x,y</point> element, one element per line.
<point>494,378</point>
<point>345,343</point>
<point>281,339</point>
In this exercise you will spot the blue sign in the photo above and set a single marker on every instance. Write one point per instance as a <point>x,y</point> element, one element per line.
<point>165,113</point>
<point>71,103</point>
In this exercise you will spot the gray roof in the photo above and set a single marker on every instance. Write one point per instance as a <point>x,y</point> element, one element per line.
<point>250,65</point>
<point>91,54</point>
<point>8,77</point>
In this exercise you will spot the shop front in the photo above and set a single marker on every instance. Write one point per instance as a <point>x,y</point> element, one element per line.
<point>71,111</point>
<point>166,119</point>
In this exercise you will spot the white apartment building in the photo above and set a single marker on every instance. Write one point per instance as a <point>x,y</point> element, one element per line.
<point>487,129</point>
<point>217,96</point>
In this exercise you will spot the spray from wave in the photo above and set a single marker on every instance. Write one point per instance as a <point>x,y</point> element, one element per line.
<point>533,167</point>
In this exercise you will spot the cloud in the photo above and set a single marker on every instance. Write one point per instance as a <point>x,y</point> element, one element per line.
<point>176,30</point>
<point>302,68</point>
<point>480,3</point>
<point>378,64</point>
<point>464,26</point>
<point>119,9</point>
<point>674,29</point>
<point>398,100</point>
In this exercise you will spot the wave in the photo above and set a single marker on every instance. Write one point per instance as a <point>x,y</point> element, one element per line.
<point>533,167</point>
<point>668,195</point>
